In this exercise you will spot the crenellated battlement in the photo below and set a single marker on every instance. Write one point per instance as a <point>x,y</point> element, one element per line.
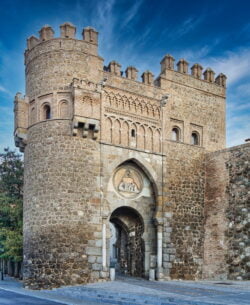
<point>168,68</point>
<point>167,65</point>
<point>89,44</point>
<point>67,31</point>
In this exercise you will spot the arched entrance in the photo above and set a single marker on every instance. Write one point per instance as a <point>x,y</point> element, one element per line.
<point>127,248</point>
<point>131,205</point>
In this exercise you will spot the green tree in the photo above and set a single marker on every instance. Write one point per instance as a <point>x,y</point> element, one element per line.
<point>11,205</point>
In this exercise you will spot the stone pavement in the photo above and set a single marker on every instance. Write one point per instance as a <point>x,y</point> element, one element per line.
<point>128,291</point>
<point>13,298</point>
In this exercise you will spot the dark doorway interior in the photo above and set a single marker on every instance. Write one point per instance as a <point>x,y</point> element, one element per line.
<point>127,253</point>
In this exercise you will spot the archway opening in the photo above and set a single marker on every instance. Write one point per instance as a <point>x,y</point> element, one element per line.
<point>127,248</point>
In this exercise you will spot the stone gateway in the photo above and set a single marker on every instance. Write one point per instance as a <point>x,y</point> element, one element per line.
<point>126,174</point>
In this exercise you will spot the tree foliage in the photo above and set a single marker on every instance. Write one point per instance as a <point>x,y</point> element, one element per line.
<point>11,205</point>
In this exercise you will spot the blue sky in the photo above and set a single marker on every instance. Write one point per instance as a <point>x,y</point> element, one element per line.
<point>215,34</point>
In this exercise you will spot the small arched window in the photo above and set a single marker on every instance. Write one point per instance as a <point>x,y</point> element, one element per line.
<point>46,112</point>
<point>133,133</point>
<point>32,115</point>
<point>175,134</point>
<point>195,139</point>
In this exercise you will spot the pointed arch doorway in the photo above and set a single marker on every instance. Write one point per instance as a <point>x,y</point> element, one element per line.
<point>127,248</point>
<point>131,202</point>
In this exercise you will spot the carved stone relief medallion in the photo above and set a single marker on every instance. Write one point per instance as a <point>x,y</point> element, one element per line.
<point>128,182</point>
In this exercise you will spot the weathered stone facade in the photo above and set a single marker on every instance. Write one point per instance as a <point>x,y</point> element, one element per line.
<point>115,169</point>
<point>227,214</point>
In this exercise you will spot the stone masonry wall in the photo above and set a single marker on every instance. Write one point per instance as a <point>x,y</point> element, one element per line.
<point>183,211</point>
<point>227,245</point>
<point>53,64</point>
<point>62,223</point>
<point>192,107</point>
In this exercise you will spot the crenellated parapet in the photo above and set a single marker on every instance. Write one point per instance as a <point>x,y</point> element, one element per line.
<point>147,78</point>
<point>67,31</point>
<point>196,71</point>
<point>131,73</point>
<point>209,75</point>
<point>167,66</point>
<point>46,33</point>
<point>221,80</point>
<point>52,62</point>
<point>114,67</point>
<point>90,34</point>
<point>167,63</point>
<point>182,66</point>
<point>196,77</point>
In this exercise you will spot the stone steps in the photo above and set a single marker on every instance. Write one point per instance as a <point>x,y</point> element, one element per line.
<point>104,296</point>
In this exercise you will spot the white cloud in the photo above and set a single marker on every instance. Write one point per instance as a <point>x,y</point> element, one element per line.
<point>238,130</point>
<point>4,90</point>
<point>104,21</point>
<point>243,90</point>
<point>131,13</point>
<point>186,27</point>
<point>236,65</point>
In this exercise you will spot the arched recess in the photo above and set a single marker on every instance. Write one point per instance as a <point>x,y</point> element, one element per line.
<point>133,106</point>
<point>141,137</point>
<point>108,99</point>
<point>157,141</point>
<point>157,113</point>
<point>108,130</point>
<point>45,111</point>
<point>125,134</point>
<point>144,165</point>
<point>139,108</point>
<point>64,110</point>
<point>176,134</point>
<point>116,132</point>
<point>150,110</point>
<point>126,103</point>
<point>133,135</point>
<point>195,138</point>
<point>32,115</point>
<point>87,106</point>
<point>149,139</point>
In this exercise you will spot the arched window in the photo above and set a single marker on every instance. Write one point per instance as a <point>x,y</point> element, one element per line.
<point>46,112</point>
<point>32,116</point>
<point>195,139</point>
<point>176,134</point>
<point>133,133</point>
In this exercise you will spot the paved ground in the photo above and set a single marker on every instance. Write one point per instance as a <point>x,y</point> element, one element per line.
<point>131,291</point>
<point>13,298</point>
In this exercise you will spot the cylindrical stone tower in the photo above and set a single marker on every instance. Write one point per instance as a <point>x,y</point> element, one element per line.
<point>58,122</point>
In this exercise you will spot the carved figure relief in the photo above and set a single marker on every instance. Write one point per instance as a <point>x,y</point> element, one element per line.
<point>128,182</point>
